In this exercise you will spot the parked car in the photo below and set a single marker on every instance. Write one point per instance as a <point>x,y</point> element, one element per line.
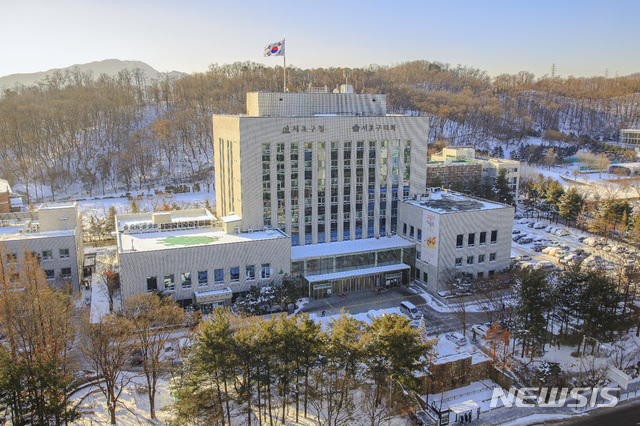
<point>456,338</point>
<point>525,240</point>
<point>539,225</point>
<point>524,257</point>
<point>538,248</point>
<point>480,329</point>
<point>515,231</point>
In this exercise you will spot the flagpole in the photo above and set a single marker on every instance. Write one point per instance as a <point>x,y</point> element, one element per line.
<point>285,65</point>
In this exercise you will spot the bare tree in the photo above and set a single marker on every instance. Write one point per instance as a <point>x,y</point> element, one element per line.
<point>154,320</point>
<point>376,414</point>
<point>106,347</point>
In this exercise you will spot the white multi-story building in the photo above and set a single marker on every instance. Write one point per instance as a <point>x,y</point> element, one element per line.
<point>456,234</point>
<point>53,234</point>
<point>328,169</point>
<point>323,167</point>
<point>183,254</point>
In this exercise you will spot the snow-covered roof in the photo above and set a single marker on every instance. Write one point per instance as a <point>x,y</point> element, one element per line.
<point>345,247</point>
<point>231,218</point>
<point>357,273</point>
<point>453,202</point>
<point>189,238</point>
<point>4,186</point>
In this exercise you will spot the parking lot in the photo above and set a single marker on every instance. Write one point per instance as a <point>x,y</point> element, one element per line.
<point>597,253</point>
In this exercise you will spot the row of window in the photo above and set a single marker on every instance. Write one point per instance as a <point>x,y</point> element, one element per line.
<point>186,279</point>
<point>411,232</point>
<point>472,259</point>
<point>50,274</point>
<point>471,239</point>
<point>46,255</point>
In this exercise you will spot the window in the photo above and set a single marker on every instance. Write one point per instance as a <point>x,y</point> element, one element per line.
<point>404,229</point>
<point>12,257</point>
<point>417,274</point>
<point>169,283</point>
<point>491,273</point>
<point>483,238</point>
<point>459,241</point>
<point>265,271</point>
<point>203,278</point>
<point>152,284</point>
<point>419,234</point>
<point>425,277</point>
<point>492,257</point>
<point>458,261</point>
<point>494,237</point>
<point>50,274</point>
<point>47,254</point>
<point>481,258</point>
<point>234,273</point>
<point>66,272</point>
<point>218,276</point>
<point>411,232</point>
<point>418,254</point>
<point>185,280</point>
<point>64,253</point>
<point>251,273</point>
<point>471,241</point>
<point>469,260</point>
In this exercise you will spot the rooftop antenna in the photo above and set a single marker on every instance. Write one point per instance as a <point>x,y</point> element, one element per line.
<point>553,70</point>
<point>347,74</point>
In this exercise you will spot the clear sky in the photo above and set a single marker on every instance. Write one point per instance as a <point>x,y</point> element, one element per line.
<point>583,38</point>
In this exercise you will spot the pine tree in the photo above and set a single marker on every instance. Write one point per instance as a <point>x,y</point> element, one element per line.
<point>502,187</point>
<point>570,204</point>
<point>534,304</point>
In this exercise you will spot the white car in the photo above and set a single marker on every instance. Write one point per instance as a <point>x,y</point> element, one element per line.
<point>480,329</point>
<point>524,257</point>
<point>456,338</point>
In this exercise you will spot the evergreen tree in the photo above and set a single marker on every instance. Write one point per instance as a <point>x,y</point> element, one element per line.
<point>534,304</point>
<point>393,351</point>
<point>502,188</point>
<point>571,204</point>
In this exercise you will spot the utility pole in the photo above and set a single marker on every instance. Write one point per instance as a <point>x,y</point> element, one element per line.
<point>553,70</point>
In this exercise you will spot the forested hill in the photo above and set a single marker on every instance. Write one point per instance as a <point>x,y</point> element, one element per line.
<point>76,134</point>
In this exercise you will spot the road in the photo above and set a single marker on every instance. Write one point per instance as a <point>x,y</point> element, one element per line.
<point>364,301</point>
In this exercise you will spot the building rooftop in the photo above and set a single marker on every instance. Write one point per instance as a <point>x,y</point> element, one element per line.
<point>151,241</point>
<point>346,247</point>
<point>453,202</point>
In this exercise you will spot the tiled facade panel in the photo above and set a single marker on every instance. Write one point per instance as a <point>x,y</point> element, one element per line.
<point>135,267</point>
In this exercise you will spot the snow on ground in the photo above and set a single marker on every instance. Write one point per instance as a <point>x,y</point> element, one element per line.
<point>133,405</point>
<point>480,392</point>
<point>99,298</point>
<point>101,205</point>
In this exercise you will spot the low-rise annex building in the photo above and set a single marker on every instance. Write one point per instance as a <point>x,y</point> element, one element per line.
<point>185,255</point>
<point>53,234</point>
<point>454,234</point>
<point>459,166</point>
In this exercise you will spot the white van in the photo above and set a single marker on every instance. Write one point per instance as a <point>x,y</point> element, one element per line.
<point>409,310</point>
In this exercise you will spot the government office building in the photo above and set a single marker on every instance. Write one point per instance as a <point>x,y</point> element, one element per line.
<point>328,169</point>
<point>325,187</point>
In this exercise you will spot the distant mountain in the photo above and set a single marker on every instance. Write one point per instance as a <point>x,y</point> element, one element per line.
<point>634,75</point>
<point>108,66</point>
